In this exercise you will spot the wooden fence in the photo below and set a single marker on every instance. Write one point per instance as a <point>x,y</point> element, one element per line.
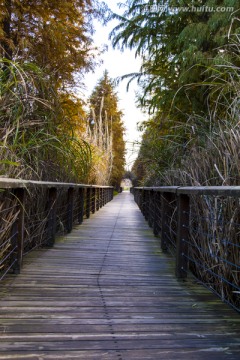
<point>200,227</point>
<point>33,212</point>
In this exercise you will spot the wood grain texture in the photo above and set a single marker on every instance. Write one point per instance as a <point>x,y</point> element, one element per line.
<point>106,292</point>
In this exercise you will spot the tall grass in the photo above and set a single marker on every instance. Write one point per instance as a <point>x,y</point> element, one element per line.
<point>39,140</point>
<point>100,137</point>
<point>206,152</point>
<point>32,143</point>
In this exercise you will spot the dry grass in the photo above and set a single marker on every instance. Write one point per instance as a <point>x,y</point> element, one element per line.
<point>37,142</point>
<point>206,152</point>
<point>212,158</point>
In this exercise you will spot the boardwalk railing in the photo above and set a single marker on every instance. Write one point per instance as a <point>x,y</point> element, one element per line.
<point>33,212</point>
<point>200,227</point>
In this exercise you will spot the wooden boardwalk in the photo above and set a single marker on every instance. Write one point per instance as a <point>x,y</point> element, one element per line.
<point>107,292</point>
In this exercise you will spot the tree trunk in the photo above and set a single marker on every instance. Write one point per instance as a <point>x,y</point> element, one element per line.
<point>6,43</point>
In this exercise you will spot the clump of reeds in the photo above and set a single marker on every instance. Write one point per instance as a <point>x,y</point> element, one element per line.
<point>38,142</point>
<point>99,136</point>
<point>34,145</point>
<point>8,215</point>
<point>33,142</point>
<point>212,158</point>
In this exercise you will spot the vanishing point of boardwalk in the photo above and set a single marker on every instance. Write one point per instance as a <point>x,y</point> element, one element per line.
<point>106,292</point>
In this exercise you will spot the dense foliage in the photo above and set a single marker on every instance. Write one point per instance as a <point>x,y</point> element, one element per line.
<point>190,87</point>
<point>188,78</point>
<point>107,117</point>
<point>46,47</point>
<point>55,35</point>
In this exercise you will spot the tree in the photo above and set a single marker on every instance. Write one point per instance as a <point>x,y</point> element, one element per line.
<point>45,47</point>
<point>181,79</point>
<point>176,45</point>
<point>55,35</point>
<point>104,102</point>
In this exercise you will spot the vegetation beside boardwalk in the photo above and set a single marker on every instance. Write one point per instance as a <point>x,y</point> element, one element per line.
<point>47,131</point>
<point>46,47</point>
<point>189,87</point>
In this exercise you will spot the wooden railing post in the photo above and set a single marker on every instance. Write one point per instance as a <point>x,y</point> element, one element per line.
<point>146,207</point>
<point>166,198</point>
<point>109,194</point>
<point>135,195</point>
<point>101,197</point>
<point>51,217</point>
<point>182,236</point>
<point>140,199</point>
<point>151,208</point>
<point>18,230</point>
<point>81,205</point>
<point>88,203</point>
<point>104,196</point>
<point>144,202</point>
<point>70,210</point>
<point>93,200</point>
<point>97,199</point>
<point>157,213</point>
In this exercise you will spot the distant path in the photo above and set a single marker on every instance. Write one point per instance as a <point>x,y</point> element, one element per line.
<point>106,292</point>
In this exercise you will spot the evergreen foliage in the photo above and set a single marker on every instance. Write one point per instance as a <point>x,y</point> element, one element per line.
<point>55,35</point>
<point>176,47</point>
<point>45,49</point>
<point>104,103</point>
<point>185,77</point>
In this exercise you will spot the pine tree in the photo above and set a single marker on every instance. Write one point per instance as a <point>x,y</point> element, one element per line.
<point>176,47</point>
<point>45,48</point>
<point>55,35</point>
<point>104,102</point>
<point>185,57</point>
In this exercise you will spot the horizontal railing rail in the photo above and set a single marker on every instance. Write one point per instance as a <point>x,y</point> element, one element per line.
<point>200,227</point>
<point>32,213</point>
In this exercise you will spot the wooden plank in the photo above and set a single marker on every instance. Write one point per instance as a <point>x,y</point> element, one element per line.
<point>171,189</point>
<point>210,190</point>
<point>9,183</point>
<point>107,291</point>
<point>196,354</point>
<point>197,190</point>
<point>201,329</point>
<point>112,344</point>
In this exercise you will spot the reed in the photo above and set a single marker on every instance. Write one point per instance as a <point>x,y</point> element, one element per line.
<point>38,142</point>
<point>206,153</point>
<point>33,142</point>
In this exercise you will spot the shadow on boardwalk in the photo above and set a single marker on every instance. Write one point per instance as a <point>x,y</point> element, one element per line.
<point>106,292</point>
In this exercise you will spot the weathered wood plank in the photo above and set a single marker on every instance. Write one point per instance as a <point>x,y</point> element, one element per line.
<point>107,292</point>
<point>130,344</point>
<point>201,329</point>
